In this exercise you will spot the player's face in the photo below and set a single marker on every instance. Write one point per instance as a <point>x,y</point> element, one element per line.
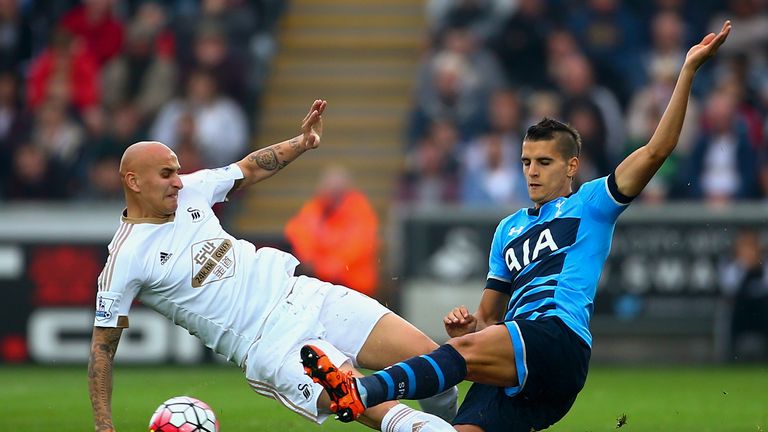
<point>547,173</point>
<point>161,184</point>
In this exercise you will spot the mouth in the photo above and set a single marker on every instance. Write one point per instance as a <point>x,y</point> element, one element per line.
<point>534,185</point>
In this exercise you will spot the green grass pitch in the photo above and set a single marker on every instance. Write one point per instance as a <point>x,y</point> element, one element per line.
<point>38,398</point>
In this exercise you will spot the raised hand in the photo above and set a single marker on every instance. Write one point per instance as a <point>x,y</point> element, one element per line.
<point>312,125</point>
<point>708,46</point>
<point>459,322</point>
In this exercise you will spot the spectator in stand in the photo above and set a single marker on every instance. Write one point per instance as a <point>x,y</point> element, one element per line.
<point>744,281</point>
<point>722,164</point>
<point>491,175</point>
<point>750,35</point>
<point>212,52</point>
<point>239,19</point>
<point>335,234</point>
<point>667,42</point>
<point>65,71</point>
<point>695,14</point>
<point>451,88</point>
<point>521,42</point>
<point>611,38</point>
<point>95,23</point>
<point>575,82</point>
<point>103,182</point>
<point>15,37</point>
<point>145,73</point>
<point>33,176</point>
<point>126,128</point>
<point>13,122</point>
<point>482,17</point>
<point>643,115</point>
<point>221,130</point>
<point>542,104</point>
<point>188,145</point>
<point>431,175</point>
<point>584,116</point>
<point>61,139</point>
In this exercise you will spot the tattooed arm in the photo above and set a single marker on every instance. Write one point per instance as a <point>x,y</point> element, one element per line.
<point>265,162</point>
<point>103,348</point>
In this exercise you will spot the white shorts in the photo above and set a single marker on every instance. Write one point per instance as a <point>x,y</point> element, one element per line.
<point>335,318</point>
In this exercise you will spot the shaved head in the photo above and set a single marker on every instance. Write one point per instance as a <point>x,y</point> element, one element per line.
<point>149,171</point>
<point>141,154</point>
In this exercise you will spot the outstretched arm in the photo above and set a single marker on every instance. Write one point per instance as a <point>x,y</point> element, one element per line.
<point>265,162</point>
<point>103,347</point>
<point>637,169</point>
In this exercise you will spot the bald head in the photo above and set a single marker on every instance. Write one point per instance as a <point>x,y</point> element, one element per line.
<point>142,154</point>
<point>149,171</point>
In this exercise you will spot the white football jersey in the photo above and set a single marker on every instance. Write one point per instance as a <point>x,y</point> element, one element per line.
<point>189,269</point>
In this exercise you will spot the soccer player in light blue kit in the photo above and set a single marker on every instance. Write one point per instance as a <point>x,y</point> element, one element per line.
<point>527,347</point>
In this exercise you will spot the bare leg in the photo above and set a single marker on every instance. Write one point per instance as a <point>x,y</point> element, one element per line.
<point>393,339</point>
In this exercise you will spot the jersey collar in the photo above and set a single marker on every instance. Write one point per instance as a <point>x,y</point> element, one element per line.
<point>150,220</point>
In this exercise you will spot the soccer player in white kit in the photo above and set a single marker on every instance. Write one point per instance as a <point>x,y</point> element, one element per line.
<point>171,253</point>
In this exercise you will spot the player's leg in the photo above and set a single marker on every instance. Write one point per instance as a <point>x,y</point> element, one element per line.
<point>487,356</point>
<point>388,416</point>
<point>376,338</point>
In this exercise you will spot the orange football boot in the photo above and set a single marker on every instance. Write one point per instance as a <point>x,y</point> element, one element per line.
<point>341,386</point>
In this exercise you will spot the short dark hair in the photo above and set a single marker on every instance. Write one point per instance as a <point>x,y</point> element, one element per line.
<point>568,139</point>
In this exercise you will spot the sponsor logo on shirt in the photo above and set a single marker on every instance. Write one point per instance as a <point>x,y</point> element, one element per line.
<point>164,257</point>
<point>212,260</point>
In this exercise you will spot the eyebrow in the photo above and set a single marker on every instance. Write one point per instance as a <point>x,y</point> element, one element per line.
<point>543,158</point>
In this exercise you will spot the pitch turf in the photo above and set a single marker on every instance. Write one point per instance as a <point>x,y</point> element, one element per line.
<point>37,398</point>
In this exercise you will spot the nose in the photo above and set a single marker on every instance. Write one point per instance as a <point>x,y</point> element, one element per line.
<point>533,170</point>
<point>177,183</point>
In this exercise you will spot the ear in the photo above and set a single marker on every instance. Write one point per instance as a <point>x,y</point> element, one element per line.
<point>132,182</point>
<point>573,167</point>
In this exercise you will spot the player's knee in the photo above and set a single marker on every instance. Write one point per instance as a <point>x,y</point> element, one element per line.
<point>465,345</point>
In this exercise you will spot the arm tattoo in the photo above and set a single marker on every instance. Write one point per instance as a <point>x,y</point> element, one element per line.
<point>265,159</point>
<point>295,144</point>
<point>100,376</point>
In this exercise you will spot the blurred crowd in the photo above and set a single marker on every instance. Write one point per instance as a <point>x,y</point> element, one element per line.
<point>81,80</point>
<point>608,68</point>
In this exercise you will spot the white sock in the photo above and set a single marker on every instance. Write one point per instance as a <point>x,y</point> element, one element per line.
<point>402,418</point>
<point>444,405</point>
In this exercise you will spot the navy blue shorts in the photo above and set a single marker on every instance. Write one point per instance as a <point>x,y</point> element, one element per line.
<point>552,363</point>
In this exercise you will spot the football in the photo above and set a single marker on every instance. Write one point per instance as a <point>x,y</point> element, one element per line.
<point>183,414</point>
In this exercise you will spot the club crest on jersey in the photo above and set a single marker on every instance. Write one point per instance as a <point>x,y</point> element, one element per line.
<point>104,308</point>
<point>539,242</point>
<point>305,390</point>
<point>212,260</point>
<point>197,214</point>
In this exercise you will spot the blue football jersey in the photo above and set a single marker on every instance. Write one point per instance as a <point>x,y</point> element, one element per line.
<point>549,259</point>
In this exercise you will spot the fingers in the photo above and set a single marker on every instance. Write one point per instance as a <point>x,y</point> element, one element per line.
<point>310,120</point>
<point>723,35</point>
<point>321,106</point>
<point>459,315</point>
<point>708,39</point>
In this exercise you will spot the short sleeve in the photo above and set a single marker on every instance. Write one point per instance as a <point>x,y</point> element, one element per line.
<point>118,285</point>
<point>499,276</point>
<point>601,197</point>
<point>214,184</point>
